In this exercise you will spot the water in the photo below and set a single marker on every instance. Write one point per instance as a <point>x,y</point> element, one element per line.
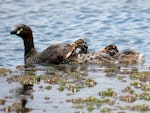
<point>125,23</point>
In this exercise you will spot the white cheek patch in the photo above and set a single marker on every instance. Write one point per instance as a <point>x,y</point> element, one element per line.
<point>18,32</point>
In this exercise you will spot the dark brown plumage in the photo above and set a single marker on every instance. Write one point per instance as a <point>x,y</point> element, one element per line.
<point>55,54</point>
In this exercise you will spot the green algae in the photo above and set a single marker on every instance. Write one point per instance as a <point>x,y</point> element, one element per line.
<point>27,79</point>
<point>145,96</point>
<point>51,79</point>
<point>5,72</point>
<point>24,79</point>
<point>90,108</point>
<point>74,88</point>
<point>90,82</point>
<point>48,87</point>
<point>90,103</point>
<point>120,77</point>
<point>138,107</point>
<point>108,93</point>
<point>105,110</point>
<point>76,80</point>
<point>141,76</point>
<point>61,88</point>
<point>139,85</point>
<point>134,69</point>
<point>110,70</point>
<point>128,98</point>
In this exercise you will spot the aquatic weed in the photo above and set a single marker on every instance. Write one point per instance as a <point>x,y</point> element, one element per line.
<point>27,79</point>
<point>48,87</point>
<point>61,88</point>
<point>90,82</point>
<point>105,110</point>
<point>5,72</point>
<point>50,70</point>
<point>142,76</point>
<point>138,107</point>
<point>90,103</point>
<point>145,96</point>
<point>74,88</point>
<point>51,79</point>
<point>139,85</point>
<point>128,98</point>
<point>109,92</point>
<point>90,108</point>
<point>120,77</point>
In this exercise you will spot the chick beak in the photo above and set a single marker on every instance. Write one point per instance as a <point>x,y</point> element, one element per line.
<point>74,45</point>
<point>104,50</point>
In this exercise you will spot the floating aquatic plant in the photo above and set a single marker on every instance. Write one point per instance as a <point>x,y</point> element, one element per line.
<point>24,79</point>
<point>142,86</point>
<point>145,96</point>
<point>112,69</point>
<point>90,102</point>
<point>142,76</point>
<point>128,98</point>
<point>90,108</point>
<point>120,77</point>
<point>2,101</point>
<point>5,72</point>
<point>74,88</point>
<point>109,92</point>
<point>74,80</point>
<point>134,69</point>
<point>61,88</point>
<point>48,87</point>
<point>90,82</point>
<point>138,107</point>
<point>50,70</point>
<point>51,79</point>
<point>105,110</point>
<point>127,89</point>
<point>27,79</point>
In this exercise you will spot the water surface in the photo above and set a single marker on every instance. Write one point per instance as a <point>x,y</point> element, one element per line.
<point>125,23</point>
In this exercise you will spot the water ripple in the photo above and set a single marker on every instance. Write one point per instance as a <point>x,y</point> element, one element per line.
<point>101,22</point>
